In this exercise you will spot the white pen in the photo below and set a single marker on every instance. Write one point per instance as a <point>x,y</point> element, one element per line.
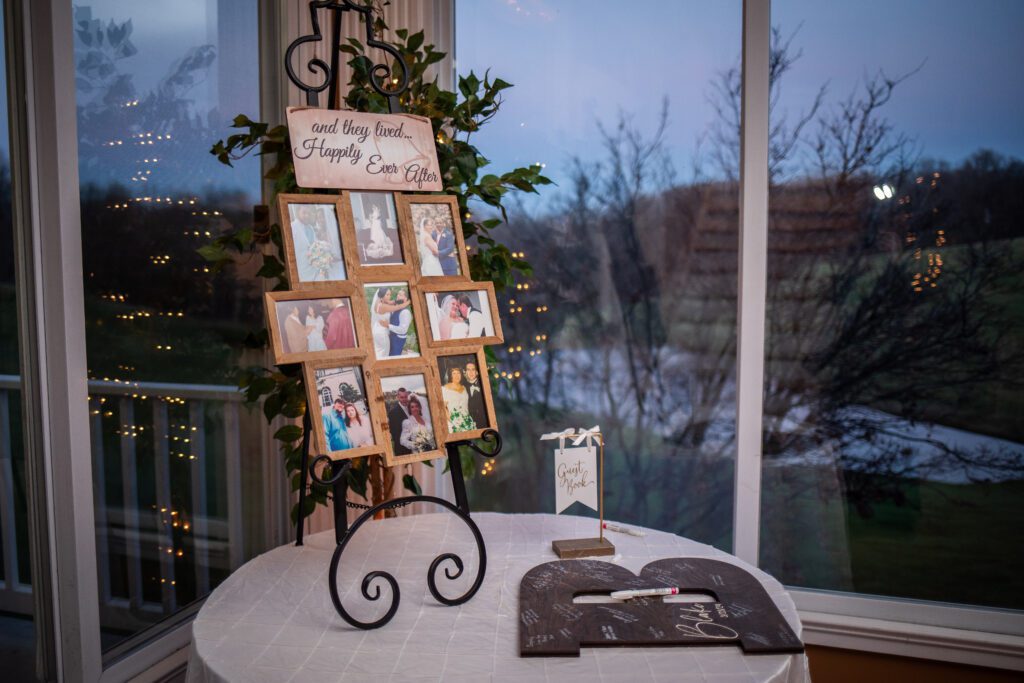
<point>644,593</point>
<point>623,529</point>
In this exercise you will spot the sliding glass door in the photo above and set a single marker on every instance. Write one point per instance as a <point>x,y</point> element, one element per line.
<point>177,488</point>
<point>17,620</point>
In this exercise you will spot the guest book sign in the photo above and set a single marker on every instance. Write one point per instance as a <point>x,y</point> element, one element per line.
<point>354,150</point>
<point>575,477</point>
<point>579,475</point>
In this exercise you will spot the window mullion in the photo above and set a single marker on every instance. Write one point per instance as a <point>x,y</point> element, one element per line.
<point>753,261</point>
<point>58,334</point>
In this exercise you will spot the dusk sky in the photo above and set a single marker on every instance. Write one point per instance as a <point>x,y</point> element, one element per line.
<point>576,62</point>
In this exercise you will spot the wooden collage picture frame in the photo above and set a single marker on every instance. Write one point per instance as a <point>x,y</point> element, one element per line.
<point>357,318</point>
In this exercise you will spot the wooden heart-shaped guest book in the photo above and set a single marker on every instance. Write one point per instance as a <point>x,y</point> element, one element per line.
<point>738,610</point>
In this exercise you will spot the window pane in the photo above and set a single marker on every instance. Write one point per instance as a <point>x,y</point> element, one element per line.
<point>158,83</point>
<point>17,630</point>
<point>629,321</point>
<point>893,445</point>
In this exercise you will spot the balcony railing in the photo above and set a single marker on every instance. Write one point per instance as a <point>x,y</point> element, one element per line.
<point>168,496</point>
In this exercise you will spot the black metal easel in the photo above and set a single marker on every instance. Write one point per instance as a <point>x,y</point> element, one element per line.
<point>337,479</point>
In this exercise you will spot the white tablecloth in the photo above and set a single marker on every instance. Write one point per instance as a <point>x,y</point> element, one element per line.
<point>273,620</point>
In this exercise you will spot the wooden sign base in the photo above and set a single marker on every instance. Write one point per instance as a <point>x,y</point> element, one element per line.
<point>572,548</point>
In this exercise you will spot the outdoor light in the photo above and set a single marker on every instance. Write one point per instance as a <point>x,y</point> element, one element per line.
<point>883,192</point>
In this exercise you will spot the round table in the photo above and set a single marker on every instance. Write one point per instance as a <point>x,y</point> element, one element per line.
<point>272,620</point>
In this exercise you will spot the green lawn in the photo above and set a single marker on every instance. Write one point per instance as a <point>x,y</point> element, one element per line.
<point>943,542</point>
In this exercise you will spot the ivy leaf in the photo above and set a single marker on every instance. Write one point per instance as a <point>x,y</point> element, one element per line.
<point>415,40</point>
<point>288,433</point>
<point>213,252</point>
<point>271,268</point>
<point>410,484</point>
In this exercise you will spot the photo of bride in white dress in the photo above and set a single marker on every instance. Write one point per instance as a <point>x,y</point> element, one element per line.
<point>436,243</point>
<point>426,240</point>
<point>391,320</point>
<point>374,217</point>
<point>315,323</point>
<point>408,412</point>
<point>463,393</point>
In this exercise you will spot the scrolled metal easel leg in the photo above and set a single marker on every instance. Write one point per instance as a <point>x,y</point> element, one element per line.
<point>337,481</point>
<point>491,437</point>
<point>372,591</point>
<point>340,493</point>
<point>303,471</point>
<point>458,480</point>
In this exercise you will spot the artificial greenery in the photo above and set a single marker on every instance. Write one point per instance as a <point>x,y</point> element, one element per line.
<point>454,120</point>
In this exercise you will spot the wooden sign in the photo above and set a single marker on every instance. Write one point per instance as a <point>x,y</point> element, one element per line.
<point>740,611</point>
<point>360,151</point>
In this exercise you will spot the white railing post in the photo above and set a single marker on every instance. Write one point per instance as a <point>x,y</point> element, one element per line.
<point>100,496</point>
<point>130,502</point>
<point>165,508</point>
<point>200,512</point>
<point>233,475</point>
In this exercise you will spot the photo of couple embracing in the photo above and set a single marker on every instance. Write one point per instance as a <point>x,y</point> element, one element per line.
<point>391,320</point>
<point>460,315</point>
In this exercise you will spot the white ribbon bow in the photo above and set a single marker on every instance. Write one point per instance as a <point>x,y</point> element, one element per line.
<point>587,435</point>
<point>561,436</point>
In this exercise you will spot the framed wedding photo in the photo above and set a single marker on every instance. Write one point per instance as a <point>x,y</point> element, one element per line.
<point>313,245</point>
<point>412,427</point>
<point>341,410</point>
<point>393,322</point>
<point>376,231</point>
<point>465,393</point>
<point>462,312</point>
<point>439,245</point>
<point>315,324</point>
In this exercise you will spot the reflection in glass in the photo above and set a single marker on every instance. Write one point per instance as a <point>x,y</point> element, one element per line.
<point>157,84</point>
<point>629,320</point>
<point>17,628</point>
<point>893,446</point>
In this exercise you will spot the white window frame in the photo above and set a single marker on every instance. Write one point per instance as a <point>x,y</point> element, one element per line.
<point>955,633</point>
<point>945,632</point>
<point>50,274</point>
